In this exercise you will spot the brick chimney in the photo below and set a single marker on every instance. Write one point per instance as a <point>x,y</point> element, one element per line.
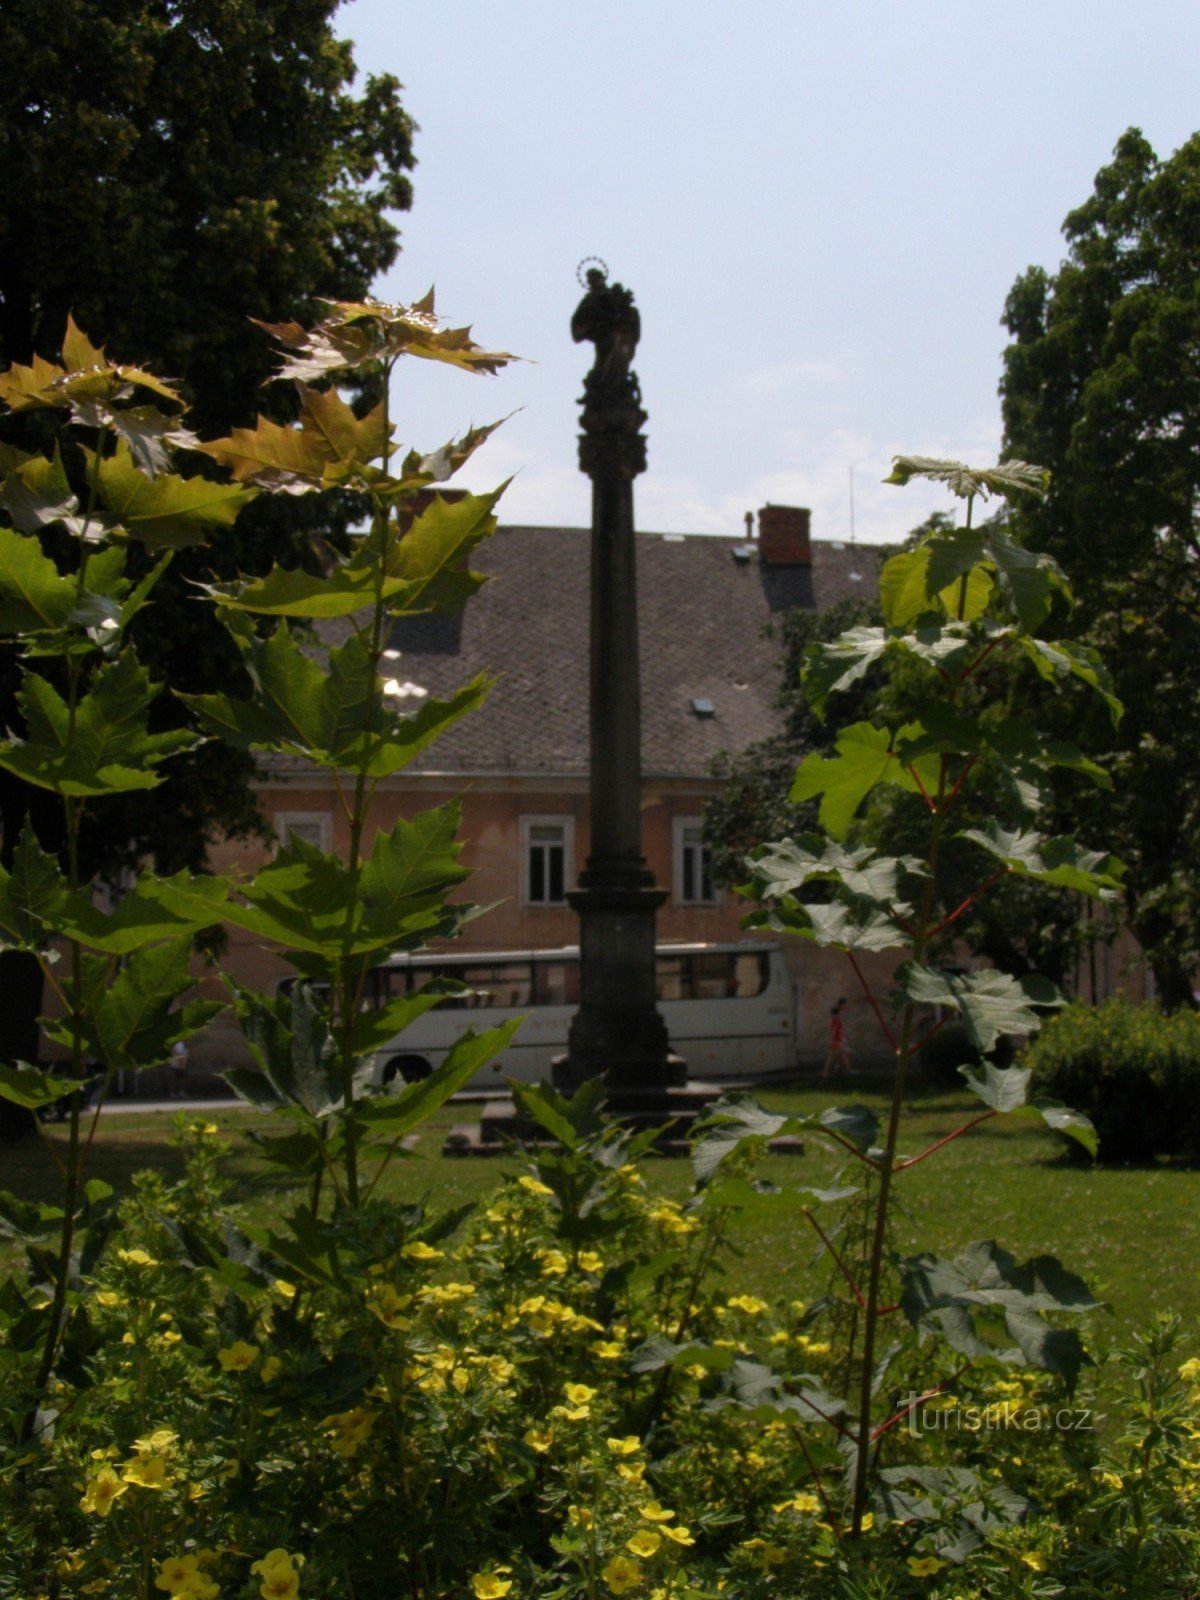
<point>783,536</point>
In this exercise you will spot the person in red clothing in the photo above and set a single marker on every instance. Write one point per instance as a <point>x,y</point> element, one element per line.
<point>838,1059</point>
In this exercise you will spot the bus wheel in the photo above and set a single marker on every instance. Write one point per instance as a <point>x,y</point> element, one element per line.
<point>413,1069</point>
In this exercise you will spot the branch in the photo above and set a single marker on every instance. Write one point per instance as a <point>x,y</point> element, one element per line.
<point>950,1137</point>
<point>975,894</point>
<point>930,803</point>
<point>866,989</point>
<point>907,1411</point>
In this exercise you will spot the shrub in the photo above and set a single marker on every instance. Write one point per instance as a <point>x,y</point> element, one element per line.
<point>1134,1071</point>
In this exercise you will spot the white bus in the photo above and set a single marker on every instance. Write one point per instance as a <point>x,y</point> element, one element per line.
<point>728,1008</point>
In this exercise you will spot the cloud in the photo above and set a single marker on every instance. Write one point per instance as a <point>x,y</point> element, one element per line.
<point>770,383</point>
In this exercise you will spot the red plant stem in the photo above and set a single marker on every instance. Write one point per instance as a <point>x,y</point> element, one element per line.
<point>848,1144</point>
<point>907,1411</point>
<point>843,1268</point>
<point>930,802</point>
<point>962,778</point>
<point>925,1037</point>
<point>866,989</point>
<point>813,1474</point>
<point>978,662</point>
<point>983,888</point>
<point>901,922</point>
<point>841,1265</point>
<point>949,1139</point>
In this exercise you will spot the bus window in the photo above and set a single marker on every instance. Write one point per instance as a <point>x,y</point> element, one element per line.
<point>751,974</point>
<point>499,983</point>
<point>710,977</point>
<point>671,978</point>
<point>556,983</point>
<point>390,984</point>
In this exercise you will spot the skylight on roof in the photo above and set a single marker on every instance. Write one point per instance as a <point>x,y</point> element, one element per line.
<point>703,708</point>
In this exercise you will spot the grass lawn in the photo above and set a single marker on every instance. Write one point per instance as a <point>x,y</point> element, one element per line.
<point>1132,1232</point>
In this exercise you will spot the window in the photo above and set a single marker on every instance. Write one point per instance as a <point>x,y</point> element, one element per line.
<point>310,827</point>
<point>693,875</point>
<point>548,859</point>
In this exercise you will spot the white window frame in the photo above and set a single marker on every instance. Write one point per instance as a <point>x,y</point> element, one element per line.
<point>529,822</point>
<point>680,845</point>
<point>284,822</point>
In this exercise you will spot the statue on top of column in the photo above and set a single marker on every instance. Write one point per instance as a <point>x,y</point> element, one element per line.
<point>612,409</point>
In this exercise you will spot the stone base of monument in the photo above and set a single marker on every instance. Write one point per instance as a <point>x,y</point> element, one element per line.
<point>672,1108</point>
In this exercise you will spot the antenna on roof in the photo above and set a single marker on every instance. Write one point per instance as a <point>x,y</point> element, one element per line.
<point>855,575</point>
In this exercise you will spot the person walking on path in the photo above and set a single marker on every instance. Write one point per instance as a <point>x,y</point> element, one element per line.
<point>838,1059</point>
<point>178,1065</point>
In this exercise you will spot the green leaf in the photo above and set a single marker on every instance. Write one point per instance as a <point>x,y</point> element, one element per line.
<point>377,1026</point>
<point>1029,577</point>
<point>658,1352</point>
<point>1003,1088</point>
<point>837,925</point>
<point>33,1088</point>
<point>135,1019</point>
<point>780,869</point>
<point>39,494</point>
<point>571,1119</point>
<point>338,716</point>
<point>866,756</point>
<point>153,909</point>
<point>1027,757</point>
<point>961,1295</point>
<point>32,896</point>
<point>1064,658</point>
<point>1008,479</point>
<point>733,1119</point>
<point>952,555</point>
<point>165,511</point>
<point>33,594</point>
<point>903,587</point>
<point>830,668</point>
<point>107,750</point>
<point>859,1124</point>
<point>399,1114</point>
<point>1057,861</point>
<point>291,1041</point>
<point>314,903</point>
<point>990,1003</point>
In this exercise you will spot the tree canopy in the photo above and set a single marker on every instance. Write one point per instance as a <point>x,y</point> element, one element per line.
<point>173,168</point>
<point>1102,384</point>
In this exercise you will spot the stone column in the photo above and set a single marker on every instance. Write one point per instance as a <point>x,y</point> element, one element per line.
<point>617,1029</point>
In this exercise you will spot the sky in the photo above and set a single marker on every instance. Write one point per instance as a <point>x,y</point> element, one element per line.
<point>820,208</point>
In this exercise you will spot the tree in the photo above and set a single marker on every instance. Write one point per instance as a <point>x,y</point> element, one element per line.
<point>172,168</point>
<point>1102,384</point>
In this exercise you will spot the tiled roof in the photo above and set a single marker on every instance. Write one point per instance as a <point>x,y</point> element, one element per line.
<point>702,620</point>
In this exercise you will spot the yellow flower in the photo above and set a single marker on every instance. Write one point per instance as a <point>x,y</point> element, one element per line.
<point>109,1299</point>
<point>571,1413</point>
<point>418,1250</point>
<point>628,1446</point>
<point>269,1370</point>
<point>147,1471</point>
<point>284,1289</point>
<point>644,1544</point>
<point>280,1580</point>
<point>1034,1560</point>
<point>554,1263</point>
<point>539,1440</point>
<point>606,1349</point>
<point>388,1306</point>
<point>238,1356</point>
<point>533,1186</point>
<point>348,1430</point>
<point>488,1586</point>
<point>680,1535</point>
<point>175,1572</point>
<point>801,1502</point>
<point>749,1303</point>
<point>137,1258</point>
<point>578,1393</point>
<point>102,1490</point>
<point>631,1471</point>
<point>924,1566</point>
<point>653,1512</point>
<point>1190,1370</point>
<point>589,1261</point>
<point>161,1441</point>
<point>500,1369</point>
<point>621,1574</point>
